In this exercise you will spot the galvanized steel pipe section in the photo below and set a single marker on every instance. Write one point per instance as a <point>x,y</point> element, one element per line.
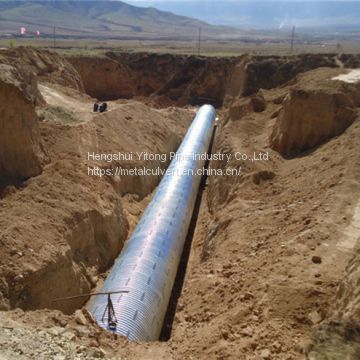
<point>148,264</point>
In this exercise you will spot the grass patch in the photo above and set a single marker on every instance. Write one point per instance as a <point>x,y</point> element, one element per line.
<point>58,115</point>
<point>334,341</point>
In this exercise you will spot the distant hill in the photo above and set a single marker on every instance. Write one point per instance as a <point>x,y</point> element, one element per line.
<point>269,14</point>
<point>101,19</point>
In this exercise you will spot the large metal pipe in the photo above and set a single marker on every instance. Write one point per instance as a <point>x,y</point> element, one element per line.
<point>148,263</point>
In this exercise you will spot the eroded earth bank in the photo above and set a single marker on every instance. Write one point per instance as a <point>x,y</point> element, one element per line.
<point>273,271</point>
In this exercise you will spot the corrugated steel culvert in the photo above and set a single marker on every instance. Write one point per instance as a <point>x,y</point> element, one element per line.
<point>148,264</point>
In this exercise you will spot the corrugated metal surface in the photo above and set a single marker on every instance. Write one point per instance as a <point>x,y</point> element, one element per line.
<point>148,264</point>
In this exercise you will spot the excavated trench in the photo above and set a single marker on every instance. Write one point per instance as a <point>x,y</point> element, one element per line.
<point>161,81</point>
<point>166,79</point>
<point>178,81</point>
<point>195,81</point>
<point>182,81</point>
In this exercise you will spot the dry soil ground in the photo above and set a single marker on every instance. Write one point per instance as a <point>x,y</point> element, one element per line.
<point>269,247</point>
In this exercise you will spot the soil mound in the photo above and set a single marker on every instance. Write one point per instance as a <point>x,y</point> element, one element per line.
<point>315,109</point>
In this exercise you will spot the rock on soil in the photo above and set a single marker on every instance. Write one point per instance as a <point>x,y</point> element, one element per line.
<point>20,341</point>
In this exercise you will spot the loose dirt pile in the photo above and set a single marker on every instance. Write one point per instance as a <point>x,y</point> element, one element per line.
<point>47,339</point>
<point>270,244</point>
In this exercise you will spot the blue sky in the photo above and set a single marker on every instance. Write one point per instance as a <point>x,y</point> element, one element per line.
<point>265,13</point>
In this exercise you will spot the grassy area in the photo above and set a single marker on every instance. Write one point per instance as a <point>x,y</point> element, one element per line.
<point>57,114</point>
<point>91,47</point>
<point>334,341</point>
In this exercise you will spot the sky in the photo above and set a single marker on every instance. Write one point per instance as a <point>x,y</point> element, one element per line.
<point>264,14</point>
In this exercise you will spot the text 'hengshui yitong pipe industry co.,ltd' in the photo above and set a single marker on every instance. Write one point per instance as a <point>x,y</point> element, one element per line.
<point>147,266</point>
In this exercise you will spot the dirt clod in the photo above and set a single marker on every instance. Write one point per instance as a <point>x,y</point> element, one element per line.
<point>316,259</point>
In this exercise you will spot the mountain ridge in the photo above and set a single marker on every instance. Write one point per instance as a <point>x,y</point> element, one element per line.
<point>100,19</point>
<point>260,14</point>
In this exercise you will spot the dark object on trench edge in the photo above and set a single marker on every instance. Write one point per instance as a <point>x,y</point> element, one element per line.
<point>103,107</point>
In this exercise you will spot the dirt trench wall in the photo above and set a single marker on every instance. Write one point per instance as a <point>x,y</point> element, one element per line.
<point>104,78</point>
<point>71,225</point>
<point>182,79</point>
<point>46,66</point>
<point>314,110</point>
<point>63,227</point>
<point>265,72</point>
<point>65,234</point>
<point>21,154</point>
<point>191,79</point>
